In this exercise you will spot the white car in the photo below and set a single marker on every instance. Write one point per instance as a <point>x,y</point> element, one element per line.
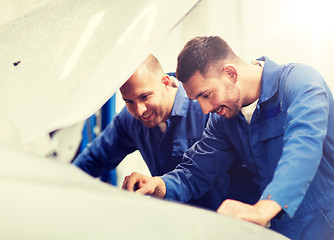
<point>59,64</point>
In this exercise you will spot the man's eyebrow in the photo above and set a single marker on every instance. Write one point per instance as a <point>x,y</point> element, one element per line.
<point>200,94</point>
<point>145,93</point>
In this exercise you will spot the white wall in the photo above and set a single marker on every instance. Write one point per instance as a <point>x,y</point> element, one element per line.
<point>285,31</point>
<point>209,17</point>
<point>298,30</point>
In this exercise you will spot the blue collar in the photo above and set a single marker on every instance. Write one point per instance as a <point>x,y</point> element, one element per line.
<point>270,79</point>
<point>180,106</point>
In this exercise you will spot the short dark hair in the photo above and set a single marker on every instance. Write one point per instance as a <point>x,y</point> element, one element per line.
<point>199,54</point>
<point>152,62</point>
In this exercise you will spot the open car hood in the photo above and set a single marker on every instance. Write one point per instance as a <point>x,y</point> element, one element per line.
<point>62,61</point>
<point>59,64</point>
<point>43,199</point>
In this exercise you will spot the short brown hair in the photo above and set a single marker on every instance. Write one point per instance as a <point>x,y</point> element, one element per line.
<point>199,54</point>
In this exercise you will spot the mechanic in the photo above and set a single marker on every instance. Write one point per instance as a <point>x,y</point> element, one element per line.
<point>278,120</point>
<point>162,123</point>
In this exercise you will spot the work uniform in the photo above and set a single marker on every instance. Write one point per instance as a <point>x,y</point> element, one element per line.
<point>288,145</point>
<point>162,152</point>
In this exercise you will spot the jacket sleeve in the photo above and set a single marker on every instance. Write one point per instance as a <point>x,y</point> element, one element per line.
<point>109,148</point>
<point>207,159</point>
<point>305,130</point>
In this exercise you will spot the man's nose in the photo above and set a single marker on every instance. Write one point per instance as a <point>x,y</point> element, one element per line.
<point>206,107</point>
<point>140,108</point>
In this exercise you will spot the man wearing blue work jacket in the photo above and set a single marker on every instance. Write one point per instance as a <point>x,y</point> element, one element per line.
<point>277,120</point>
<point>162,123</point>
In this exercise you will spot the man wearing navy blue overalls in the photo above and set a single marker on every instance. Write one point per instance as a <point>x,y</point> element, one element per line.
<point>277,120</point>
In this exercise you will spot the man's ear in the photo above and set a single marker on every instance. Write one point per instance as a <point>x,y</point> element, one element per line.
<point>230,71</point>
<point>166,81</point>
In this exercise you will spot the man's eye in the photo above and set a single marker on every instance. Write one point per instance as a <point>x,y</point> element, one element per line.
<point>145,96</point>
<point>128,102</point>
<point>206,95</point>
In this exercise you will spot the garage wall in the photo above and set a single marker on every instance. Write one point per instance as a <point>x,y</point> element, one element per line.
<point>285,31</point>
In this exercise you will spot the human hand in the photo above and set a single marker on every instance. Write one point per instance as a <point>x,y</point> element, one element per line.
<point>260,213</point>
<point>143,184</point>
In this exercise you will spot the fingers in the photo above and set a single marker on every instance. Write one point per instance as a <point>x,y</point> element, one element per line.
<point>125,182</point>
<point>125,179</point>
<point>137,181</point>
<point>236,209</point>
<point>153,186</point>
<point>245,211</point>
<point>133,181</point>
<point>145,185</point>
<point>144,189</point>
<point>228,207</point>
